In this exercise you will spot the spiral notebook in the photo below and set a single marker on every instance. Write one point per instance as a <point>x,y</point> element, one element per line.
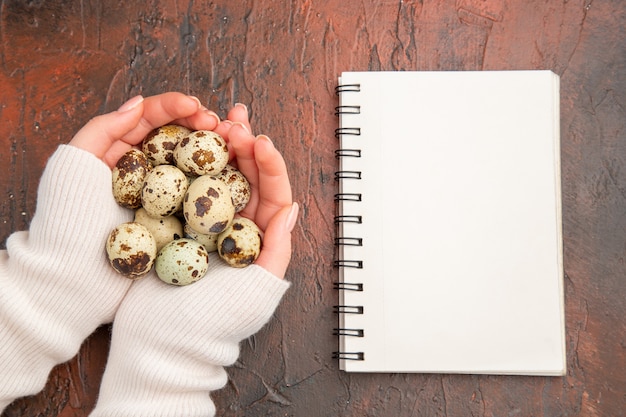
<point>449,243</point>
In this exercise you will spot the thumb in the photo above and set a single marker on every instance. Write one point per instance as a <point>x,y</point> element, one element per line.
<point>101,135</point>
<point>276,252</point>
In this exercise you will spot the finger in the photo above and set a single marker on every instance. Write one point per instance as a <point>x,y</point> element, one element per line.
<point>169,108</point>
<point>239,114</point>
<point>203,119</point>
<point>276,252</point>
<point>273,180</point>
<point>166,107</point>
<point>102,132</point>
<point>243,147</point>
<point>115,152</point>
<point>223,129</point>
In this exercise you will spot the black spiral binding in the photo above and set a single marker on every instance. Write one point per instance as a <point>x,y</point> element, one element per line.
<point>348,197</point>
<point>344,263</point>
<point>341,153</point>
<point>348,218</point>
<point>344,88</point>
<point>355,356</point>
<point>354,131</point>
<point>348,286</point>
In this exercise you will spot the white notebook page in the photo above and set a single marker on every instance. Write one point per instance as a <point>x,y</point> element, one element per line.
<point>461,228</point>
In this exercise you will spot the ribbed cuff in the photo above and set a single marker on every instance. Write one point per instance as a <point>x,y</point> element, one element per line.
<point>57,286</point>
<point>170,344</point>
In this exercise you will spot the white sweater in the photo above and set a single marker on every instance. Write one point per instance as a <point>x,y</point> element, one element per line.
<point>169,343</point>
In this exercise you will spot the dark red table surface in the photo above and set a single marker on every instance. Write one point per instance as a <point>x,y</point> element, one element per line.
<point>63,62</point>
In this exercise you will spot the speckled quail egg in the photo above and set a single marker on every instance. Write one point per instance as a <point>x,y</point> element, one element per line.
<point>164,230</point>
<point>159,144</point>
<point>182,262</point>
<point>202,152</point>
<point>238,184</point>
<point>208,206</point>
<point>128,177</point>
<point>240,244</point>
<point>131,249</point>
<point>209,241</point>
<point>163,191</point>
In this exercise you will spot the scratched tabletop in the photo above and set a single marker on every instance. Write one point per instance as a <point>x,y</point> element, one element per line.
<point>63,62</point>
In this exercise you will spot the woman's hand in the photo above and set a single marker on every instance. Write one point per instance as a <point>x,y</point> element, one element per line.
<point>110,135</point>
<point>271,206</point>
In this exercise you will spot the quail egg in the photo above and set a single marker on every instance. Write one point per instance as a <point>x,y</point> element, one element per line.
<point>202,152</point>
<point>238,184</point>
<point>164,230</point>
<point>209,241</point>
<point>131,249</point>
<point>163,191</point>
<point>159,144</point>
<point>240,244</point>
<point>128,177</point>
<point>182,262</point>
<point>208,207</point>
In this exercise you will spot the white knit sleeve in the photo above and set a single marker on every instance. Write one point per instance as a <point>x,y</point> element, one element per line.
<point>170,344</point>
<point>57,286</point>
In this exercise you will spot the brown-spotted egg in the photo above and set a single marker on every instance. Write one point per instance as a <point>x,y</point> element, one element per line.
<point>202,152</point>
<point>128,177</point>
<point>159,144</point>
<point>182,262</point>
<point>208,207</point>
<point>238,184</point>
<point>240,244</point>
<point>164,230</point>
<point>163,191</point>
<point>209,241</point>
<point>131,249</point>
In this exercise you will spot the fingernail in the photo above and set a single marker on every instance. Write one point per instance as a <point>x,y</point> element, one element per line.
<point>242,105</point>
<point>130,104</point>
<point>197,100</point>
<point>243,126</point>
<point>214,115</point>
<point>292,217</point>
<point>263,137</point>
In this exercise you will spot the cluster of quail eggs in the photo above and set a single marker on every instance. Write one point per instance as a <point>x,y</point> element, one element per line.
<point>186,197</point>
